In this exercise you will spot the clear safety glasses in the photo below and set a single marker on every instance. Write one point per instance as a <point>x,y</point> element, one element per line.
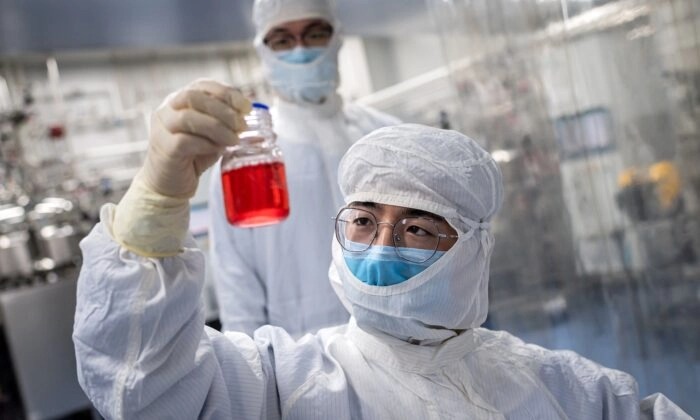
<point>317,35</point>
<point>356,230</point>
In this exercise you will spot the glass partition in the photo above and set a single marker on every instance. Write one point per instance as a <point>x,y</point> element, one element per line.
<point>592,109</point>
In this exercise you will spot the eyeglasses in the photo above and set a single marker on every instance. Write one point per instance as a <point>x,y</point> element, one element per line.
<point>314,36</point>
<point>356,230</point>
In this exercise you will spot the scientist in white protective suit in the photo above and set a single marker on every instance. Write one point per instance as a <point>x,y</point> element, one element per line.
<point>411,258</point>
<point>279,274</point>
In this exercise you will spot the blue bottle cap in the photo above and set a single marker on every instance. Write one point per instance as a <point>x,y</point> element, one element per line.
<point>260,105</point>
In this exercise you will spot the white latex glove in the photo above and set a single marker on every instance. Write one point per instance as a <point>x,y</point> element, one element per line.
<point>189,132</point>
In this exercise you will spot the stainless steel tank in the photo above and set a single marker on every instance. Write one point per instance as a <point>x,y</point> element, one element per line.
<point>15,243</point>
<point>53,221</point>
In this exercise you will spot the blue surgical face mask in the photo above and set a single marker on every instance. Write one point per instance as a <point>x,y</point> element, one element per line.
<point>303,75</point>
<point>381,266</point>
<point>300,55</point>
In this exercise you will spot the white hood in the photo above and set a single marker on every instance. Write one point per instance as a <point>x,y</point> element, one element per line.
<point>443,172</point>
<point>303,83</point>
<point>270,13</point>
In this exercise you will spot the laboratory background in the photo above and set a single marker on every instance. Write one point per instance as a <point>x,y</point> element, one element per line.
<point>591,108</point>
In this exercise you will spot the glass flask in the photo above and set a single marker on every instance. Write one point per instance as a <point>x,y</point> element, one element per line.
<point>253,174</point>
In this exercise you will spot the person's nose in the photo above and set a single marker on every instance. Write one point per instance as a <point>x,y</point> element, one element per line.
<point>298,41</point>
<point>384,235</point>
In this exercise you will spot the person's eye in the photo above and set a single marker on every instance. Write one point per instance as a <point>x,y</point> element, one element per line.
<point>416,230</point>
<point>362,221</point>
<point>318,35</point>
<point>420,228</point>
<point>280,43</point>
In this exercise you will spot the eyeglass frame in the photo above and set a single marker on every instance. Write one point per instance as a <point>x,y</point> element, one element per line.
<point>440,235</point>
<point>299,39</point>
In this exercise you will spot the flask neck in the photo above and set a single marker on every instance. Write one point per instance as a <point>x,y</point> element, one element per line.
<point>259,130</point>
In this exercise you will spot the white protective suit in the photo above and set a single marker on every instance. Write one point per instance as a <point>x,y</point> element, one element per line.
<point>279,274</point>
<point>411,350</point>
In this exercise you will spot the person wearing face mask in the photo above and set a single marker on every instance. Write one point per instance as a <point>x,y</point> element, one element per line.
<point>277,274</point>
<point>411,255</point>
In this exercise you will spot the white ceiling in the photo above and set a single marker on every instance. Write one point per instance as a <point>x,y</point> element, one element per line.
<point>43,26</point>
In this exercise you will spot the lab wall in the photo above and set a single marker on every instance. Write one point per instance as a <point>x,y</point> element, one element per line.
<point>394,60</point>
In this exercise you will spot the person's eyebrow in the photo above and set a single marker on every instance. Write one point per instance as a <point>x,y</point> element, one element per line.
<point>404,212</point>
<point>278,31</point>
<point>311,25</point>
<point>421,213</point>
<point>318,23</point>
<point>367,204</point>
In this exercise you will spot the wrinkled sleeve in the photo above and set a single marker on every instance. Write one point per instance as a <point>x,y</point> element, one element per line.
<point>141,346</point>
<point>586,389</point>
<point>658,407</point>
<point>240,291</point>
<point>579,387</point>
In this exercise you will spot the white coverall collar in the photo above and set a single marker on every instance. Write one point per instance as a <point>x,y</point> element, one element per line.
<point>292,110</point>
<point>399,354</point>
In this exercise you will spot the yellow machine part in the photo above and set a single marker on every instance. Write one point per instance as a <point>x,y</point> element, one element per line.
<point>667,180</point>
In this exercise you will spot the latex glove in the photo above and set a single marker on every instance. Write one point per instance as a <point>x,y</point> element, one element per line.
<point>189,132</point>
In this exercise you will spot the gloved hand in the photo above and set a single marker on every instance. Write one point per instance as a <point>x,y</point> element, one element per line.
<point>189,132</point>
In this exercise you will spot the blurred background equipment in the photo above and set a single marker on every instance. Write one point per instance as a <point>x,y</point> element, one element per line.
<point>650,195</point>
<point>15,251</point>
<point>591,107</point>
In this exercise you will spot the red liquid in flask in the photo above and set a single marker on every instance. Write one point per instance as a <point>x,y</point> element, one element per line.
<point>256,195</point>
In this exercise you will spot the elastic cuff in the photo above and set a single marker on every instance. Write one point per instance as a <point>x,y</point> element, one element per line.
<point>151,224</point>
